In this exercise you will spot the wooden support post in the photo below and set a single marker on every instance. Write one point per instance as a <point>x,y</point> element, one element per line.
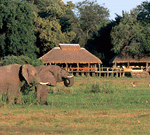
<point>77,73</point>
<point>116,74</point>
<point>95,67</point>
<point>120,73</point>
<point>146,66</point>
<point>86,74</point>
<point>88,65</point>
<point>100,74</point>
<point>93,74</point>
<point>82,74</point>
<point>128,65</point>
<point>115,64</point>
<point>107,72</point>
<point>67,67</point>
<point>123,74</point>
<point>112,72</point>
<point>99,66</point>
<point>77,66</point>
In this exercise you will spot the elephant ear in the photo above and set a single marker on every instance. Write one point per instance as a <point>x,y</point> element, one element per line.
<point>25,72</point>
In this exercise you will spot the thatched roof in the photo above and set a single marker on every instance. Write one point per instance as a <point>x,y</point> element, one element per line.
<point>125,56</point>
<point>69,53</point>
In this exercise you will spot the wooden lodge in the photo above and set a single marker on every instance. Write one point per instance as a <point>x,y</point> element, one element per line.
<point>137,66</point>
<point>130,62</point>
<point>79,61</point>
<point>73,58</point>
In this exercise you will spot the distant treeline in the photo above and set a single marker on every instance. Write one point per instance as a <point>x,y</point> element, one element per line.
<point>33,27</point>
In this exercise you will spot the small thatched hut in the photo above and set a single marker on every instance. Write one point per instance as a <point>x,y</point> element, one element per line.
<point>72,57</point>
<point>131,62</point>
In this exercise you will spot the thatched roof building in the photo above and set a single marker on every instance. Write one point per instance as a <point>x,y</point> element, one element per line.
<point>70,55</point>
<point>124,58</point>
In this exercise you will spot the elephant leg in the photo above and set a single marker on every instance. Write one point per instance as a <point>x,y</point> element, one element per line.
<point>14,94</point>
<point>11,97</point>
<point>38,90</point>
<point>44,98</point>
<point>43,95</point>
<point>18,98</point>
<point>42,91</point>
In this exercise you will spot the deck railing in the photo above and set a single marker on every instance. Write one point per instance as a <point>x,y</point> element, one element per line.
<point>106,69</point>
<point>85,69</point>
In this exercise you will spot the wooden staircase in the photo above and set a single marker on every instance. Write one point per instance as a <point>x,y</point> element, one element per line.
<point>143,74</point>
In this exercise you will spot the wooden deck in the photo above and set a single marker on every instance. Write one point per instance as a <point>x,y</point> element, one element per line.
<point>107,72</point>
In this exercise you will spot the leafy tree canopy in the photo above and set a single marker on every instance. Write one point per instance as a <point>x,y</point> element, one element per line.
<point>52,9</point>
<point>16,29</point>
<point>131,32</point>
<point>144,12</point>
<point>50,34</point>
<point>48,21</point>
<point>90,17</point>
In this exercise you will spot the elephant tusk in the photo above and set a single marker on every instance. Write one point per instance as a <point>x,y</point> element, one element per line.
<point>70,76</point>
<point>44,83</point>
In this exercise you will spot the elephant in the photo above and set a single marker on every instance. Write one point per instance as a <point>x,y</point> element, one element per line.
<point>52,75</point>
<point>11,78</point>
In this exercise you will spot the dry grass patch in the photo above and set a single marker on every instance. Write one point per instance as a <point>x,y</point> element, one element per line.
<point>47,121</point>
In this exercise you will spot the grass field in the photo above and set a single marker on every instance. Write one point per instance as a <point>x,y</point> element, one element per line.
<point>92,106</point>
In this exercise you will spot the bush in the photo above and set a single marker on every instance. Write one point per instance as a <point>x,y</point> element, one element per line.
<point>21,60</point>
<point>28,99</point>
<point>97,88</point>
<point>107,89</point>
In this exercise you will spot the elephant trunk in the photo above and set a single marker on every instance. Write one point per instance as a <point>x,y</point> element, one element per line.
<point>69,81</point>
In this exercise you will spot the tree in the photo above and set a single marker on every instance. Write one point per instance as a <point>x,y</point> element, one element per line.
<point>90,17</point>
<point>100,44</point>
<point>47,22</point>
<point>50,34</point>
<point>144,12</point>
<point>16,29</point>
<point>131,32</point>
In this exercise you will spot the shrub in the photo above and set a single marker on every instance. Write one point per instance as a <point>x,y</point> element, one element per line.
<point>28,99</point>
<point>107,89</point>
<point>97,88</point>
<point>4,98</point>
<point>21,60</point>
<point>28,94</point>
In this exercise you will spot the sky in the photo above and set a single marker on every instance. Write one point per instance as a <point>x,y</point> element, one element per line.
<point>115,6</point>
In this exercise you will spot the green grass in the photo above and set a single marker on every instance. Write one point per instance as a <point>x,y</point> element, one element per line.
<point>102,93</point>
<point>92,106</point>
<point>124,99</point>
